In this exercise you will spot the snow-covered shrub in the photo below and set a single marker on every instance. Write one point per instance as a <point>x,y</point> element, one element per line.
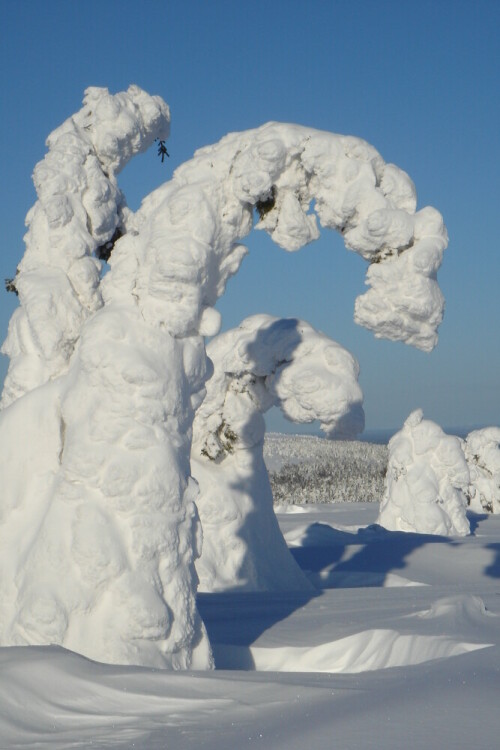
<point>264,362</point>
<point>482,452</point>
<point>98,541</point>
<point>327,471</point>
<point>427,476</point>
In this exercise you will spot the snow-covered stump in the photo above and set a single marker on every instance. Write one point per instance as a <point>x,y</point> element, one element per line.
<point>482,452</point>
<point>80,210</point>
<point>264,362</point>
<point>427,476</point>
<point>115,385</point>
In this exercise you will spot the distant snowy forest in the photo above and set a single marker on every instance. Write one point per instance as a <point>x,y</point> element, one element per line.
<point>304,469</point>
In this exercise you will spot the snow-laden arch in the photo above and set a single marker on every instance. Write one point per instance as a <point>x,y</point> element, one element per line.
<point>113,505</point>
<point>264,362</point>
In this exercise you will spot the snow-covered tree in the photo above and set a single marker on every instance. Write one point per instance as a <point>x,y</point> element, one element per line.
<point>482,452</point>
<point>80,210</point>
<point>427,476</point>
<point>264,362</point>
<point>99,528</point>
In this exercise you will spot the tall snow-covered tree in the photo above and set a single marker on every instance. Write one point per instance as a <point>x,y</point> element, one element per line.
<point>106,375</point>
<point>264,362</point>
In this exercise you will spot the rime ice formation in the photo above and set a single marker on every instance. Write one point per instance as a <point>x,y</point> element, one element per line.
<point>99,540</point>
<point>427,476</point>
<point>264,362</point>
<point>482,452</point>
<point>79,209</point>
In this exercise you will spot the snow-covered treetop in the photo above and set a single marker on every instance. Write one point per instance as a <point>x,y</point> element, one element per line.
<point>427,476</point>
<point>276,362</point>
<point>79,209</point>
<point>185,244</point>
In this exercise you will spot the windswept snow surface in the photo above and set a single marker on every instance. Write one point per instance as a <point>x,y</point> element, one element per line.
<point>369,660</point>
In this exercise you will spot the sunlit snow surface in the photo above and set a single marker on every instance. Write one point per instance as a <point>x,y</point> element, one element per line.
<point>400,647</point>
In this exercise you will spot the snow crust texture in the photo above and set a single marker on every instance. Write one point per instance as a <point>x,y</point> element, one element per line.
<point>115,369</point>
<point>427,477</point>
<point>264,362</point>
<point>482,452</point>
<point>79,209</point>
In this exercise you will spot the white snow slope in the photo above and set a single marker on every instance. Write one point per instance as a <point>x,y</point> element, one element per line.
<point>398,647</point>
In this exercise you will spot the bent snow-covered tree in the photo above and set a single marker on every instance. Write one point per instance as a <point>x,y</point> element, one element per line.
<point>264,362</point>
<point>98,538</point>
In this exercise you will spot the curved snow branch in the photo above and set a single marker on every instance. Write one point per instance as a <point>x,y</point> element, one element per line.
<point>188,231</point>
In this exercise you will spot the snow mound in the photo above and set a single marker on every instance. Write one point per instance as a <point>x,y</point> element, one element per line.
<point>482,452</point>
<point>457,612</point>
<point>264,362</point>
<point>426,479</point>
<point>68,695</point>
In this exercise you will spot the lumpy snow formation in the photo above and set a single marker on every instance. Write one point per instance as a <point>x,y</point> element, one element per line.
<point>482,451</point>
<point>427,476</point>
<point>99,540</point>
<point>79,209</point>
<point>264,362</point>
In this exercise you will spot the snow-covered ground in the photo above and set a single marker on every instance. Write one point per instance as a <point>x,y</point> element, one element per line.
<point>399,647</point>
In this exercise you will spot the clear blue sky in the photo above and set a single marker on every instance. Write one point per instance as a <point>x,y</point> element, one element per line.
<point>419,79</point>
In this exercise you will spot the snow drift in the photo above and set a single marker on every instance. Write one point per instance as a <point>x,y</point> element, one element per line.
<point>264,362</point>
<point>427,476</point>
<point>117,367</point>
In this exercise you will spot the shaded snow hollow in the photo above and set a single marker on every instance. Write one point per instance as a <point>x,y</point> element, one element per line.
<point>115,368</point>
